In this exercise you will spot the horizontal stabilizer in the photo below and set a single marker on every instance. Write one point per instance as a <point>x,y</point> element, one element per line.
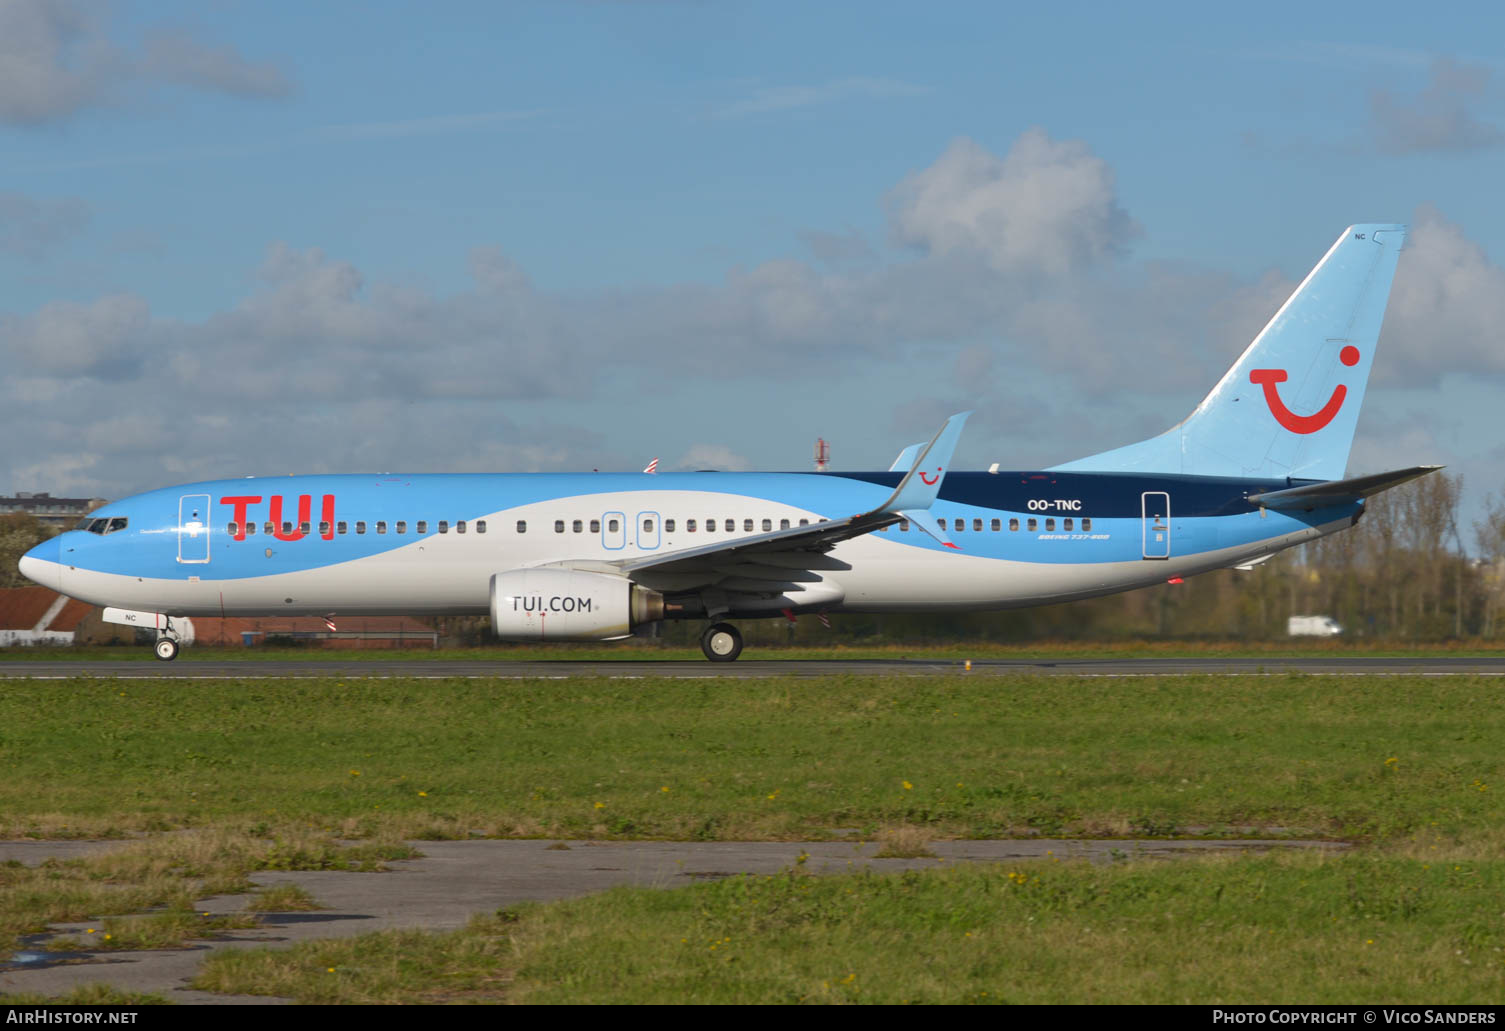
<point>927,522</point>
<point>1337,492</point>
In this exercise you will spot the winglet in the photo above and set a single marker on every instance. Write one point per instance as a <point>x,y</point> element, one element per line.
<point>921,485</point>
<point>906,458</point>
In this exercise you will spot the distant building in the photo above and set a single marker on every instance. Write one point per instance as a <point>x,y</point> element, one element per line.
<point>35,615</point>
<point>59,513</point>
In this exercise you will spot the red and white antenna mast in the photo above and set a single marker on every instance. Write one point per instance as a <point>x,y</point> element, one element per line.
<point>822,454</point>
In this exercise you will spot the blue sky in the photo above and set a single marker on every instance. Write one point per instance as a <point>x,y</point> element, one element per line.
<point>259,238</point>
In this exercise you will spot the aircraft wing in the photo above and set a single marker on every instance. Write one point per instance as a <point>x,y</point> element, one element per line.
<point>792,561</point>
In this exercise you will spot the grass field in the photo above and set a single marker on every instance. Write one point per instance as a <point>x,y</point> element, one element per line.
<point>1352,757</point>
<point>1406,767</point>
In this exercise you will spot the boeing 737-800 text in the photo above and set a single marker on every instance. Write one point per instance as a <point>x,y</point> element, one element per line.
<point>1258,466</point>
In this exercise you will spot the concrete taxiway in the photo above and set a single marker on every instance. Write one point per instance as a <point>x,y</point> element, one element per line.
<point>187,669</point>
<point>457,879</point>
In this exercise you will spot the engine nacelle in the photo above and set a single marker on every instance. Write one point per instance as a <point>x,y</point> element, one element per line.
<point>569,605</point>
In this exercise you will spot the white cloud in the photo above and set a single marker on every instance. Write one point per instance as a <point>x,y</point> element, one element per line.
<point>1438,119</point>
<point>32,228</point>
<point>58,57</point>
<point>1446,308</point>
<point>711,456</point>
<point>1045,205</point>
<point>105,339</point>
<point>177,56</point>
<point>319,368</point>
<point>787,98</point>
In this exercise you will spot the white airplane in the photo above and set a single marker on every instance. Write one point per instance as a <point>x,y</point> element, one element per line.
<point>1258,466</point>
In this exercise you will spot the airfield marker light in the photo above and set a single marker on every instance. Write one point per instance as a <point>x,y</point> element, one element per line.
<point>969,665</point>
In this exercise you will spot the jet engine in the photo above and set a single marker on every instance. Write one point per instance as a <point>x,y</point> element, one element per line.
<point>569,605</point>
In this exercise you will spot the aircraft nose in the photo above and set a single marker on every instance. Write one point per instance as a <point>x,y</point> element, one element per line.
<point>44,564</point>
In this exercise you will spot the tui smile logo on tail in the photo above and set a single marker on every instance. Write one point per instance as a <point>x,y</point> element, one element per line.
<point>1269,378</point>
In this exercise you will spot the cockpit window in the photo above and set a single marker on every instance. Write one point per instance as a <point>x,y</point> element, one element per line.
<point>102,526</point>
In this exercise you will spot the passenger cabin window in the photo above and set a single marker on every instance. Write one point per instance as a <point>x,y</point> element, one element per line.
<point>444,526</point>
<point>961,524</point>
<point>559,526</point>
<point>460,526</point>
<point>997,525</point>
<point>731,526</point>
<point>578,526</point>
<point>324,528</point>
<point>341,526</point>
<point>1032,525</point>
<point>381,526</point>
<point>767,525</point>
<point>710,526</point>
<point>423,526</point>
<point>522,526</point>
<point>1050,525</point>
<point>804,522</point>
<point>1066,523</point>
<point>267,528</point>
<point>303,527</point>
<point>784,524</point>
<point>360,526</point>
<point>402,526</point>
<point>689,526</point>
<point>595,526</point>
<point>612,526</point>
<point>668,526</point>
<point>1013,524</point>
<point>250,529</point>
<point>647,525</point>
<point>977,525</point>
<point>480,526</point>
<point>233,529</point>
<point>747,526</point>
<point>1086,524</point>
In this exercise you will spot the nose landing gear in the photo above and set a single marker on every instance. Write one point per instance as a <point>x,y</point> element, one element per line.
<point>166,648</point>
<point>721,642</point>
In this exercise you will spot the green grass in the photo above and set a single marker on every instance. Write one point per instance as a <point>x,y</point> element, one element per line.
<point>143,895</point>
<point>1352,757</point>
<point>265,771</point>
<point>1319,929</point>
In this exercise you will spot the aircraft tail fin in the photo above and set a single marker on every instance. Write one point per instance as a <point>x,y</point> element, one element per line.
<point>1289,405</point>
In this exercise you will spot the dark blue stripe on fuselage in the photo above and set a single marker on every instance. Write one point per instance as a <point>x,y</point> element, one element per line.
<point>1105,495</point>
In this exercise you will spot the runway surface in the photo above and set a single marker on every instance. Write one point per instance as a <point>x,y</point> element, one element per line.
<point>188,669</point>
<point>456,879</point>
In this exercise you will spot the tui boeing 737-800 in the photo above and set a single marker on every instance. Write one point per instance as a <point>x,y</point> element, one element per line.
<point>1258,466</point>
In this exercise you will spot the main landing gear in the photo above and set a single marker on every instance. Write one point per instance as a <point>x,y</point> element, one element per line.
<point>721,642</point>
